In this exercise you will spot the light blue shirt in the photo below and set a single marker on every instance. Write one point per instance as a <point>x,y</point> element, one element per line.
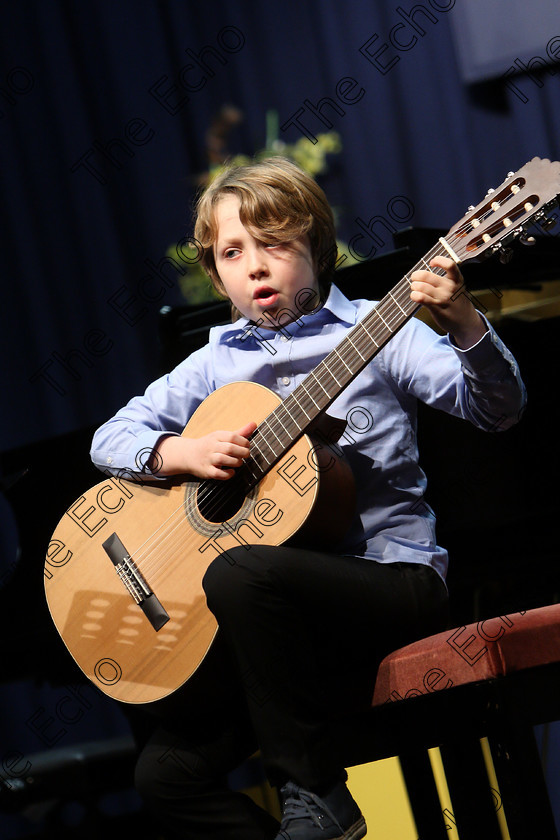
<point>392,522</point>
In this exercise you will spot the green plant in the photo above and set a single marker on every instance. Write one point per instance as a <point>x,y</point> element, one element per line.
<point>312,157</point>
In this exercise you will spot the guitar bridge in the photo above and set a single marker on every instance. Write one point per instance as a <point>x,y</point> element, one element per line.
<point>134,582</point>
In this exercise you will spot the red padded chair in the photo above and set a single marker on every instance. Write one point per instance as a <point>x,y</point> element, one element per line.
<point>495,678</point>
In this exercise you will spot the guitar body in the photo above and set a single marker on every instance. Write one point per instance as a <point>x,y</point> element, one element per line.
<point>172,538</point>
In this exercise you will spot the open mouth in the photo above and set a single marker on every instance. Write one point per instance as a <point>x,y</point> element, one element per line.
<point>265,296</point>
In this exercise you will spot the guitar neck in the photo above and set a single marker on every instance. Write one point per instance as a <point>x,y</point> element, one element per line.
<point>294,416</point>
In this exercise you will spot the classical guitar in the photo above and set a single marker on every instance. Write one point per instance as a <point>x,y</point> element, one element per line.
<point>124,569</point>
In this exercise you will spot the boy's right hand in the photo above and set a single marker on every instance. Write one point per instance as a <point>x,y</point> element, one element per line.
<point>215,455</point>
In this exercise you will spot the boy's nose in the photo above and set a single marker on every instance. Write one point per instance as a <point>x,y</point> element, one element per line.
<point>258,266</point>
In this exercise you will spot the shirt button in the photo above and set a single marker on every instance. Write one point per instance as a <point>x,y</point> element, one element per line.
<point>285,380</point>
<point>109,460</point>
<point>284,337</point>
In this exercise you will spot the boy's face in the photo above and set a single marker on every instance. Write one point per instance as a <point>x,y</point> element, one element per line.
<point>262,280</point>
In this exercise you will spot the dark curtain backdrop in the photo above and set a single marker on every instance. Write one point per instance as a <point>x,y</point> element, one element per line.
<point>101,146</point>
<point>104,111</point>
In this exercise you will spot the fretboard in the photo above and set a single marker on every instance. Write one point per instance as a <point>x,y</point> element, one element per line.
<point>295,414</point>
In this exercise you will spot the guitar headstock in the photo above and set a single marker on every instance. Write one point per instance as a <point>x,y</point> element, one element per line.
<point>523,199</point>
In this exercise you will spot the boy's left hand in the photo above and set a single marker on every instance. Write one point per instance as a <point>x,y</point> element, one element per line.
<point>450,308</point>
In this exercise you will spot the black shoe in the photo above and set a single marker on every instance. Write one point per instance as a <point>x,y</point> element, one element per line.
<point>306,816</point>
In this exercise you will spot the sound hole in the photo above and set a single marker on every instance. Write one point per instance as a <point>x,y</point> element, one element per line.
<point>218,501</point>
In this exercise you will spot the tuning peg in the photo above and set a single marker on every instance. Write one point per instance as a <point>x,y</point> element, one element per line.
<point>547,223</point>
<point>490,191</point>
<point>504,254</point>
<point>527,240</point>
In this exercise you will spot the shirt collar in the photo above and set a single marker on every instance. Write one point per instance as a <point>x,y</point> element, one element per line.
<point>336,305</point>
<point>340,306</point>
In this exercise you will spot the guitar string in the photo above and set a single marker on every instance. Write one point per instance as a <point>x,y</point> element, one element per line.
<point>400,296</point>
<point>338,370</point>
<point>179,515</point>
<point>162,537</point>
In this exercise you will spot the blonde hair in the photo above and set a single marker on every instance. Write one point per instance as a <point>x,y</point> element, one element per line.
<point>279,202</point>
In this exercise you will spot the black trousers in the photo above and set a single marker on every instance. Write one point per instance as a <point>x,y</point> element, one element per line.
<point>301,636</point>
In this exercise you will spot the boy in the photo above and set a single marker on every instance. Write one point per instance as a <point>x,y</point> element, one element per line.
<point>301,631</point>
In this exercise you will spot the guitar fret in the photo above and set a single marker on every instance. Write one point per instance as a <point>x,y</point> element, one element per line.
<point>382,318</point>
<point>261,453</point>
<point>256,444</point>
<point>313,405</point>
<point>356,349</point>
<point>294,396</point>
<point>288,436</point>
<point>316,404</point>
<point>263,428</point>
<point>398,304</point>
<point>342,360</point>
<point>315,393</point>
<point>365,329</point>
<point>272,430</point>
<point>391,315</point>
<point>316,378</point>
<point>284,407</point>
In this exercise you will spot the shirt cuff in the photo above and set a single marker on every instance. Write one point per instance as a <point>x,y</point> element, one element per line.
<point>489,357</point>
<point>135,460</point>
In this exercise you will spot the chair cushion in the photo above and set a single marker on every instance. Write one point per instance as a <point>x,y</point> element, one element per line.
<point>490,648</point>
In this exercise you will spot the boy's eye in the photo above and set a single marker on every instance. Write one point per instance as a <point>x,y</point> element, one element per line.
<point>230,253</point>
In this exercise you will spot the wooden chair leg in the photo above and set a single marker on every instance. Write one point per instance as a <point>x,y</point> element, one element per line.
<point>521,780</point>
<point>423,795</point>
<point>469,788</point>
